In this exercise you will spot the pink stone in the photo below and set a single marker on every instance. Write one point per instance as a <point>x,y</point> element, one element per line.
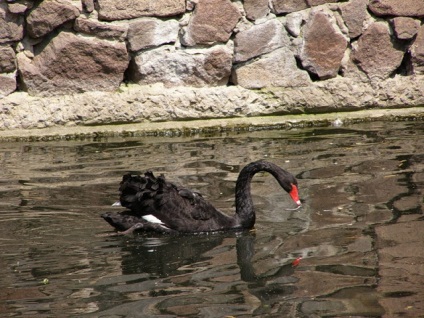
<point>376,54</point>
<point>48,16</point>
<point>408,8</point>
<point>405,28</point>
<point>324,45</point>
<point>209,24</point>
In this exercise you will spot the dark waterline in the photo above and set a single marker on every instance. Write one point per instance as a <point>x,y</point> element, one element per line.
<point>357,232</point>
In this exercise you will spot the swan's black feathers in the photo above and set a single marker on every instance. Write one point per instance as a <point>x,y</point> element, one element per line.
<point>176,207</point>
<point>153,204</point>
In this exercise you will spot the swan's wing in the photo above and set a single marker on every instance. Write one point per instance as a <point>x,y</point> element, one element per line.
<point>190,212</point>
<point>184,204</point>
<point>175,207</point>
<point>150,195</point>
<point>199,208</point>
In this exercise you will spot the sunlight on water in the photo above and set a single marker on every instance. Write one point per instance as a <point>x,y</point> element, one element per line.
<point>358,232</point>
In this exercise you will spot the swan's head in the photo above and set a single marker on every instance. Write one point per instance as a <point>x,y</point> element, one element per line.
<point>289,183</point>
<point>286,180</point>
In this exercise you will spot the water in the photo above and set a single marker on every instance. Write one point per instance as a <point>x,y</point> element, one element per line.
<point>358,232</point>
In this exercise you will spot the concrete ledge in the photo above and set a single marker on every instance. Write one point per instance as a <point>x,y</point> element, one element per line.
<point>179,110</point>
<point>192,127</point>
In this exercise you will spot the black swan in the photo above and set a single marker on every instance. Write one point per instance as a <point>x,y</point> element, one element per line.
<point>157,205</point>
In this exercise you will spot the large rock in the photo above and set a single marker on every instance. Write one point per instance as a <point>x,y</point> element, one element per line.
<point>405,28</point>
<point>417,53</point>
<point>192,67</point>
<point>256,9</point>
<point>287,6</point>
<point>71,63</point>
<point>128,9</point>
<point>7,59</point>
<point>101,29</point>
<point>149,32</point>
<point>376,53</point>
<point>20,7</point>
<point>313,3</point>
<point>49,15</point>
<point>277,69</point>
<point>88,5</point>
<point>295,21</point>
<point>7,70</point>
<point>11,25</point>
<point>212,21</point>
<point>260,39</point>
<point>354,14</point>
<point>324,45</point>
<point>7,84</point>
<point>409,8</point>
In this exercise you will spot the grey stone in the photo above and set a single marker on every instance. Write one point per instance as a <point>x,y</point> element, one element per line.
<point>314,3</point>
<point>101,29</point>
<point>129,9</point>
<point>259,39</point>
<point>256,9</point>
<point>294,22</point>
<point>287,6</point>
<point>193,67</point>
<point>276,69</point>
<point>149,32</point>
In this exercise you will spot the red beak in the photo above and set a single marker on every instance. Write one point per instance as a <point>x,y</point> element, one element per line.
<point>294,193</point>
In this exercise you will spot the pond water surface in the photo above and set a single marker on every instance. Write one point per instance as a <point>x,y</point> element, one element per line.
<point>359,231</point>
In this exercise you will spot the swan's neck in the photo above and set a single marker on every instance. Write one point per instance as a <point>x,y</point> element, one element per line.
<point>245,212</point>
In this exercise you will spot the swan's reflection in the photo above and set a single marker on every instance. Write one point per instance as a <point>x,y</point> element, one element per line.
<point>162,256</point>
<point>245,252</point>
<point>165,256</point>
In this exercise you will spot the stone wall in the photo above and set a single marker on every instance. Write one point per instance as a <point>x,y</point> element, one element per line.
<point>57,47</point>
